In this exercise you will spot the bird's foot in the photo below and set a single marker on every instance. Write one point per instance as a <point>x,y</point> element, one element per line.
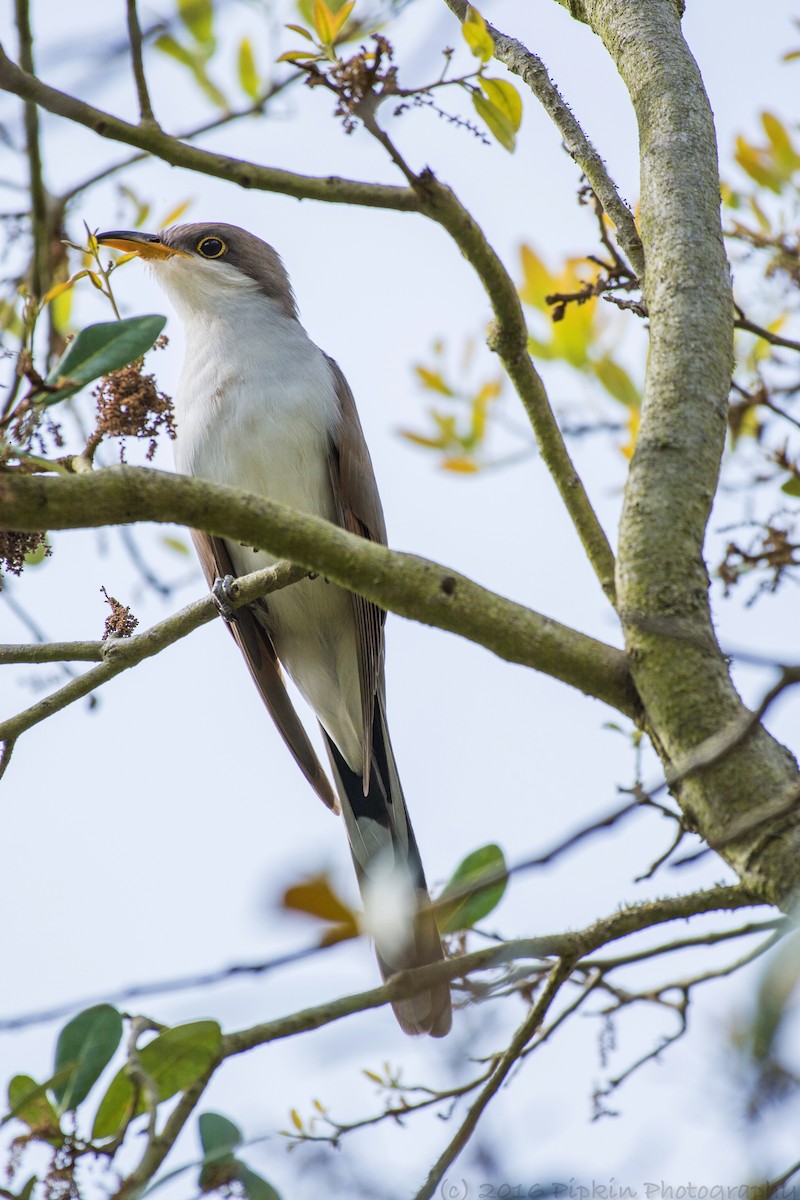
<point>222,595</point>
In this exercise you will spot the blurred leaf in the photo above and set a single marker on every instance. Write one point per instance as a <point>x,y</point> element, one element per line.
<point>323,22</point>
<point>759,165</point>
<point>255,1188</point>
<point>296,56</point>
<point>486,862</point>
<point>28,1102</point>
<point>195,62</point>
<point>459,464</point>
<point>301,29</point>
<point>36,557</point>
<point>297,1120</point>
<point>99,350</point>
<point>316,898</point>
<point>784,152</point>
<point>198,17</point>
<point>634,417</point>
<point>617,382</point>
<point>496,121</point>
<point>173,1060</point>
<point>85,1047</point>
<point>171,217</point>
<point>248,74</point>
<point>419,439</point>
<point>175,544</point>
<point>791,487</point>
<point>218,1135</point>
<point>476,35</point>
<point>505,97</point>
<point>537,281</point>
<point>433,380</point>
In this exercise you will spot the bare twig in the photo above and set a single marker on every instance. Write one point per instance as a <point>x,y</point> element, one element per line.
<point>533,72</point>
<point>559,973</point>
<point>146,115</point>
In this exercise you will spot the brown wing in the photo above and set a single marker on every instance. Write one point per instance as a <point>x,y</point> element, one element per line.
<point>256,646</point>
<point>358,509</point>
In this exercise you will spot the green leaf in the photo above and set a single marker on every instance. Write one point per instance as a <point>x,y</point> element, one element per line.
<point>496,120</point>
<point>504,96</point>
<point>85,1047</point>
<point>248,74</point>
<point>617,382</point>
<point>792,486</point>
<point>100,349</point>
<point>169,45</point>
<point>173,1060</point>
<point>476,35</point>
<point>28,1102</point>
<point>485,863</point>
<point>255,1188</point>
<point>36,557</point>
<point>198,17</point>
<point>218,1135</point>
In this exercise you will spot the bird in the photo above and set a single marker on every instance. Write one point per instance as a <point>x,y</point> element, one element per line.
<point>260,407</point>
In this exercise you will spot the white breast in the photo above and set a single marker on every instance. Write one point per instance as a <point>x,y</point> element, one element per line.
<point>255,406</point>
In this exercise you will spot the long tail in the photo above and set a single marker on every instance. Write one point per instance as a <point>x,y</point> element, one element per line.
<point>386,857</point>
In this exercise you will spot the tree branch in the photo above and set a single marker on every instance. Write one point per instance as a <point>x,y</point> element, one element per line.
<point>663,583</point>
<point>560,972</point>
<point>401,583</point>
<point>532,71</point>
<point>154,141</point>
<point>146,115</point>
<point>120,654</point>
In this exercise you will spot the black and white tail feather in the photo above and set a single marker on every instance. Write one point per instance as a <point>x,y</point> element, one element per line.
<point>390,874</point>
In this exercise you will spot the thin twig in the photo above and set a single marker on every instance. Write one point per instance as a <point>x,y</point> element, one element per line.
<point>560,972</point>
<point>146,116</point>
<point>533,72</point>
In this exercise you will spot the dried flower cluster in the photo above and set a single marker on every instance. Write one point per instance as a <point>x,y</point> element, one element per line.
<point>129,404</point>
<point>367,75</point>
<point>15,546</point>
<point>121,622</point>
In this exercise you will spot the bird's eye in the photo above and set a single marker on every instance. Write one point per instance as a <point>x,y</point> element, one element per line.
<point>211,247</point>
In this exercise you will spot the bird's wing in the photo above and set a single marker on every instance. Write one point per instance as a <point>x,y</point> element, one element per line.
<point>358,509</point>
<point>256,646</point>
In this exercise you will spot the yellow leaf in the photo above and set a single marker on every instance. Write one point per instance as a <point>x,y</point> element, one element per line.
<point>324,22</point>
<point>316,898</point>
<point>504,95</point>
<point>297,1120</point>
<point>95,279</point>
<point>170,219</point>
<point>301,29</point>
<point>537,282</point>
<point>341,16</point>
<point>433,380</point>
<point>420,440</point>
<point>477,36</point>
<point>60,288</point>
<point>296,56</point>
<point>633,430</point>
<point>248,72</point>
<point>464,466</point>
<point>496,120</point>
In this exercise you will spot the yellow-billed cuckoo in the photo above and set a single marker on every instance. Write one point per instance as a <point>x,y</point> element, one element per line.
<point>262,408</point>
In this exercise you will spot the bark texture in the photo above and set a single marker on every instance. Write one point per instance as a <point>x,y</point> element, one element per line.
<point>662,582</point>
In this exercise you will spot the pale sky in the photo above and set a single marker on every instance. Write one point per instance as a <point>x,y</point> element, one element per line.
<point>148,838</point>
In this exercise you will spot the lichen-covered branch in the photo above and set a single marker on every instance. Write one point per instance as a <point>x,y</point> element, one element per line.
<point>402,583</point>
<point>662,581</point>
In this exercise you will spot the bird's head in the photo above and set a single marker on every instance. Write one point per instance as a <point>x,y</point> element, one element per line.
<point>205,265</point>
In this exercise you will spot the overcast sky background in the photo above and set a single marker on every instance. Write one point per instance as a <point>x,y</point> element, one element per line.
<point>149,838</point>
